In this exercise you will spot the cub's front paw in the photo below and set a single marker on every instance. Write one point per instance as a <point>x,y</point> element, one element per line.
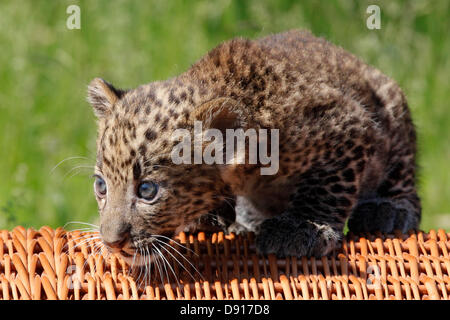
<point>237,228</point>
<point>288,236</point>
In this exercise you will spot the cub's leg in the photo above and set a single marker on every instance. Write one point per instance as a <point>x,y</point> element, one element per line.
<point>248,217</point>
<point>314,221</point>
<point>396,205</point>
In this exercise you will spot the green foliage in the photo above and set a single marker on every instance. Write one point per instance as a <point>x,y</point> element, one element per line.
<point>45,68</point>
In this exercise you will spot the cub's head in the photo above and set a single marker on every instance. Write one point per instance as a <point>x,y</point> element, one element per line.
<point>142,195</point>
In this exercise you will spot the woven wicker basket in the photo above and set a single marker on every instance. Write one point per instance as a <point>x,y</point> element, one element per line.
<point>57,264</point>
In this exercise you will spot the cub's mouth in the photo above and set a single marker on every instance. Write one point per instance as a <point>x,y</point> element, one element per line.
<point>144,249</point>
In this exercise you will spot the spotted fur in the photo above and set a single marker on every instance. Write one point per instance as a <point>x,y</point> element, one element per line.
<point>347,147</point>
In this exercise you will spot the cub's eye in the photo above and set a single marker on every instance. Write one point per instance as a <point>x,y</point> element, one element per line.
<point>147,190</point>
<point>100,186</point>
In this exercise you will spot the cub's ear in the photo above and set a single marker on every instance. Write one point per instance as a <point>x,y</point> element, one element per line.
<point>222,114</point>
<point>102,96</point>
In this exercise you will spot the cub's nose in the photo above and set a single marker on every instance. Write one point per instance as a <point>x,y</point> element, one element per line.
<point>115,239</point>
<point>118,244</point>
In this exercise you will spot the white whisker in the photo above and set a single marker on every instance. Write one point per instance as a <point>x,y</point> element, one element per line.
<point>77,167</point>
<point>82,223</point>
<point>165,261</point>
<point>67,159</point>
<point>161,275</point>
<point>179,262</point>
<point>175,242</point>
<point>142,254</point>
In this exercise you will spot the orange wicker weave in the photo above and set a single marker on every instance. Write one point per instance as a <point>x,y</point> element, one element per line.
<point>57,264</point>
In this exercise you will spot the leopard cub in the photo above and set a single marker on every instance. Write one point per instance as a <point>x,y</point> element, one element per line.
<point>346,153</point>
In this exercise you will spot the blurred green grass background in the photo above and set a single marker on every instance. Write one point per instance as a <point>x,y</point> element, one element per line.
<point>45,69</point>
